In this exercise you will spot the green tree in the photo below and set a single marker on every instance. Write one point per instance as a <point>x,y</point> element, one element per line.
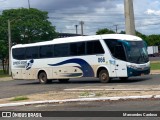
<point>3,55</point>
<point>122,32</point>
<point>27,25</point>
<point>104,31</point>
<point>153,40</point>
<point>144,37</point>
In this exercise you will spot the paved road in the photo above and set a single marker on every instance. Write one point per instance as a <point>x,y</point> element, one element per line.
<point>128,105</point>
<point>136,105</point>
<point>23,87</point>
<point>154,58</point>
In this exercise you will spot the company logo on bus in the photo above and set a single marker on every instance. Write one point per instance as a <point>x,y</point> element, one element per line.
<point>29,64</point>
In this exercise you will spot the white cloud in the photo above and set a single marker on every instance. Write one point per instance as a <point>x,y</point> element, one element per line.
<point>100,10</point>
<point>153,12</point>
<point>96,14</point>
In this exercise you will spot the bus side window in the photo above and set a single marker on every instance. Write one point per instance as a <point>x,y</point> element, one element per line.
<point>73,49</point>
<point>94,47</point>
<point>116,48</point>
<point>77,49</point>
<point>31,53</point>
<point>119,52</point>
<point>18,53</point>
<point>61,50</point>
<point>46,51</point>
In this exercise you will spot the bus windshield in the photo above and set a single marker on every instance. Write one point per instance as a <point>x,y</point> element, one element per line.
<point>136,52</point>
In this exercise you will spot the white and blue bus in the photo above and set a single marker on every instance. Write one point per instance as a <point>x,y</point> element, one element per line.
<point>102,56</point>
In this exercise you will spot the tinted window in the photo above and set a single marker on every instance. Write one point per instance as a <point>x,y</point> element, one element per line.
<point>111,45</point>
<point>73,49</point>
<point>94,47</point>
<point>18,53</point>
<point>77,48</point>
<point>116,48</point>
<point>46,51</point>
<point>61,50</point>
<point>119,52</point>
<point>31,53</point>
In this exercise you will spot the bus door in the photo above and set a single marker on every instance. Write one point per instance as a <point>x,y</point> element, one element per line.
<point>120,61</point>
<point>112,63</point>
<point>121,68</point>
<point>118,68</point>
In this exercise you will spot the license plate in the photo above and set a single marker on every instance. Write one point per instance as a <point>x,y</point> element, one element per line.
<point>142,74</point>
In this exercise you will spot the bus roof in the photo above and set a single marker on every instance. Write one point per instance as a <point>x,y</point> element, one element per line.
<point>82,38</point>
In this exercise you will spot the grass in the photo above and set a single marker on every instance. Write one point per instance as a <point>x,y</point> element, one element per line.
<point>20,98</point>
<point>2,74</point>
<point>85,94</point>
<point>155,66</point>
<point>99,94</point>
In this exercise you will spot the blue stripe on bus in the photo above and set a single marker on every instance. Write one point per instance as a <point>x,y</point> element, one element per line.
<point>84,66</point>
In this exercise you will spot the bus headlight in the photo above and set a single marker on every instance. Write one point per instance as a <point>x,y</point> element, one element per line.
<point>132,66</point>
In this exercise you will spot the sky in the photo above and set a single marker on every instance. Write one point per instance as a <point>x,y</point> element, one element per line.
<point>96,14</point>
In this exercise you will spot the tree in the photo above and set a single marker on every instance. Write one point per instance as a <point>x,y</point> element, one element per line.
<point>27,25</point>
<point>144,37</point>
<point>3,55</point>
<point>153,40</point>
<point>122,32</point>
<point>104,31</point>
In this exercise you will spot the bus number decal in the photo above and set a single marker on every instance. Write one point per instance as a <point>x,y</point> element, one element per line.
<point>101,59</point>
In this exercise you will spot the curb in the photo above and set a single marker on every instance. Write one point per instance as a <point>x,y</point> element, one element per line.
<point>112,89</point>
<point>154,73</point>
<point>81,100</point>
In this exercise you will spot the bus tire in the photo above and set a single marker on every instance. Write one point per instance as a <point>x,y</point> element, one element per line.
<point>43,78</point>
<point>104,76</point>
<point>63,80</point>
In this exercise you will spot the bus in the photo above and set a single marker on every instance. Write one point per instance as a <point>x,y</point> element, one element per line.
<point>102,56</point>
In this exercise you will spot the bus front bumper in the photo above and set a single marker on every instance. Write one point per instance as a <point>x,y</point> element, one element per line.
<point>138,72</point>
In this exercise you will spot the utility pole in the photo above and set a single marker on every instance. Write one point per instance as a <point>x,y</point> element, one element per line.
<point>9,46</point>
<point>129,17</point>
<point>29,4</point>
<point>76,29</point>
<point>116,28</point>
<point>81,23</point>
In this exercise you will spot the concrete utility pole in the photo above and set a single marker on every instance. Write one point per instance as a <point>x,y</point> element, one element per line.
<point>81,23</point>
<point>29,4</point>
<point>9,45</point>
<point>129,17</point>
<point>76,29</point>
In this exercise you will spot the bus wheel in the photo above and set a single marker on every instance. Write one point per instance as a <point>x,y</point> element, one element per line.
<point>43,78</point>
<point>123,78</point>
<point>63,80</point>
<point>103,76</point>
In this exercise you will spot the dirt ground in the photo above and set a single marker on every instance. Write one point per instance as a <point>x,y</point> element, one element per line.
<point>61,95</point>
<point>86,93</point>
